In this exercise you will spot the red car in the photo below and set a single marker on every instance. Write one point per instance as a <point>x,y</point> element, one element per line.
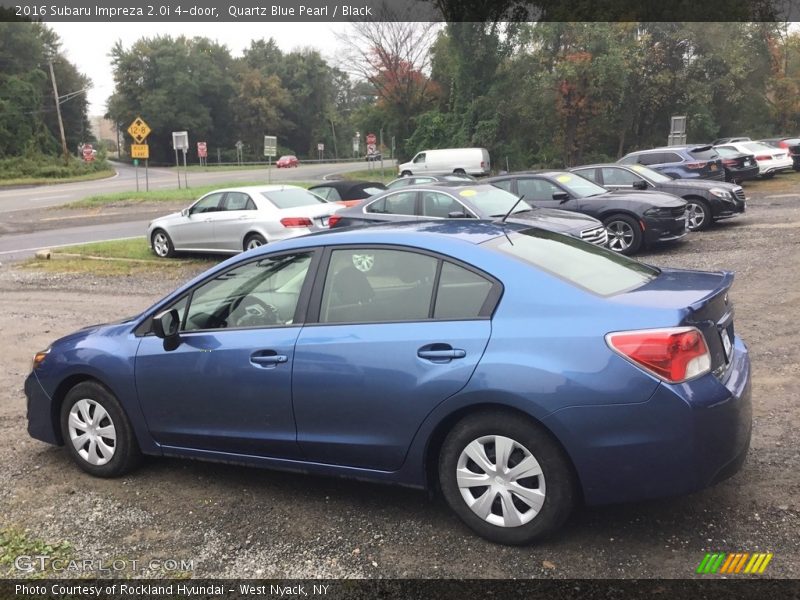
<point>287,161</point>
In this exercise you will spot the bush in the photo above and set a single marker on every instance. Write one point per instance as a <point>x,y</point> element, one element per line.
<point>47,167</point>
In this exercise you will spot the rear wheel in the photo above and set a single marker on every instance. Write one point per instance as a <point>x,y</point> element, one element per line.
<point>506,478</point>
<point>161,244</point>
<point>624,234</point>
<point>698,214</point>
<point>460,172</point>
<point>97,432</point>
<point>405,174</point>
<point>254,240</point>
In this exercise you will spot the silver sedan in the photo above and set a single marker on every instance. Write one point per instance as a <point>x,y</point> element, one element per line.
<point>237,219</point>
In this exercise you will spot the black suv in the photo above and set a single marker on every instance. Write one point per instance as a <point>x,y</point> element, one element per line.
<point>706,201</point>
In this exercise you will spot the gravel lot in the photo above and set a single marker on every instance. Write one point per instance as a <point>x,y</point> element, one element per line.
<point>233,521</point>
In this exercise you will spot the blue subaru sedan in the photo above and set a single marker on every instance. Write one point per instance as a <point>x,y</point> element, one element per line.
<point>516,371</point>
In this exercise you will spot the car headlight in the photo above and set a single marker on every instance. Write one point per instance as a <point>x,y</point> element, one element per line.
<point>39,357</point>
<point>720,193</point>
<point>658,211</point>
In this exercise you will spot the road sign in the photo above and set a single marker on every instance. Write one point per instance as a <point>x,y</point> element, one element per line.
<point>180,140</point>
<point>87,152</point>
<point>270,146</point>
<point>202,150</point>
<point>139,130</point>
<point>371,139</point>
<point>372,149</point>
<point>140,151</point>
<point>320,147</point>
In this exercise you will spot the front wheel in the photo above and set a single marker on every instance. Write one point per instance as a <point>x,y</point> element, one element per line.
<point>162,244</point>
<point>624,234</point>
<point>97,432</point>
<point>506,478</point>
<point>698,215</point>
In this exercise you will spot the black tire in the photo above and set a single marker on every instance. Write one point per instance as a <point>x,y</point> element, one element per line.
<point>253,240</point>
<point>405,174</point>
<point>624,234</point>
<point>161,244</point>
<point>698,214</point>
<point>557,477</point>
<point>126,454</point>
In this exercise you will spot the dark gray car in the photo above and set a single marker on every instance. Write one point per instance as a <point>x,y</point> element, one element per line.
<point>706,201</point>
<point>466,200</point>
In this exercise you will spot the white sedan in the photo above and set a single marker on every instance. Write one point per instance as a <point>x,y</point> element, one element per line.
<point>770,160</point>
<point>236,219</point>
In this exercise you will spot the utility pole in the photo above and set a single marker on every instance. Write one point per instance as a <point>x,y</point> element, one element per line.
<point>58,112</point>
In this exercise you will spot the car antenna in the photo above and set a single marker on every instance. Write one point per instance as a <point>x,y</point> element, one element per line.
<point>503,220</point>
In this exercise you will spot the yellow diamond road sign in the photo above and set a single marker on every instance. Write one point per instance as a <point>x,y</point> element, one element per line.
<point>139,130</point>
<point>140,151</point>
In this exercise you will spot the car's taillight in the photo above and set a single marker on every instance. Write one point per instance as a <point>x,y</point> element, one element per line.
<point>674,354</point>
<point>296,222</point>
<point>333,220</point>
<point>483,165</point>
<point>764,157</point>
<point>696,165</point>
<point>730,162</point>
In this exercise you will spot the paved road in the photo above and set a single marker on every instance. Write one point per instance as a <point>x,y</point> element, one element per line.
<point>16,246</point>
<point>160,179</point>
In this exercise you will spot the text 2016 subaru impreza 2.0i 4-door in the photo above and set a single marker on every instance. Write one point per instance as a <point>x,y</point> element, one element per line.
<point>516,370</point>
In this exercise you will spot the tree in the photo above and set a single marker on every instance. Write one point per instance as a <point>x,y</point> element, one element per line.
<point>175,84</point>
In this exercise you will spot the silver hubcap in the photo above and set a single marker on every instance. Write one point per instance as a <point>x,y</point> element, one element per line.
<point>620,235</point>
<point>501,481</point>
<point>254,243</point>
<point>695,215</point>
<point>363,262</point>
<point>161,244</point>
<point>92,432</point>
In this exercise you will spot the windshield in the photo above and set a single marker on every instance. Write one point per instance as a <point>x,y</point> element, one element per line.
<point>594,269</point>
<point>292,198</point>
<point>652,175</point>
<point>491,201</point>
<point>727,152</point>
<point>580,187</point>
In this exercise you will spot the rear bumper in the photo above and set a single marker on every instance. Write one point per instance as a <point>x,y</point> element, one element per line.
<point>41,420</point>
<point>685,438</point>
<point>742,174</point>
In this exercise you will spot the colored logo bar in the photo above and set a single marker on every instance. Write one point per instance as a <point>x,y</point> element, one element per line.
<point>722,563</point>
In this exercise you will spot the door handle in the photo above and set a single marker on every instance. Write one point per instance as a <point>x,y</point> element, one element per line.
<point>440,352</point>
<point>268,357</point>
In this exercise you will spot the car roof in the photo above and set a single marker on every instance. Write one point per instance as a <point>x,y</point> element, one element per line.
<point>347,184</point>
<point>473,231</point>
<point>254,189</point>
<point>545,172</point>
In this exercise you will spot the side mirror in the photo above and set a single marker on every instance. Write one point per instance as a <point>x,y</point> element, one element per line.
<point>561,196</point>
<point>457,214</point>
<point>185,212</point>
<point>166,325</point>
<point>641,184</point>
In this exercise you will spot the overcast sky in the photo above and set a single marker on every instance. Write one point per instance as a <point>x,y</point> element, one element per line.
<point>87,45</point>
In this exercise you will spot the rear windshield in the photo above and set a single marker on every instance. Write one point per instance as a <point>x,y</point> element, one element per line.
<point>652,175</point>
<point>758,147</point>
<point>491,201</point>
<point>594,269</point>
<point>728,152</point>
<point>292,198</point>
<point>580,187</point>
<point>704,154</point>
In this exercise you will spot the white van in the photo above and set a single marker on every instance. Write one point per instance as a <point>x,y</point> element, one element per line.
<point>472,161</point>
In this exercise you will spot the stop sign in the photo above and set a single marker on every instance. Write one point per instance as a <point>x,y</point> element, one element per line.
<point>371,139</point>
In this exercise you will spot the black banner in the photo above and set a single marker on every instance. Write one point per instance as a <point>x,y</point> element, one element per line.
<point>405,589</point>
<point>123,11</point>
